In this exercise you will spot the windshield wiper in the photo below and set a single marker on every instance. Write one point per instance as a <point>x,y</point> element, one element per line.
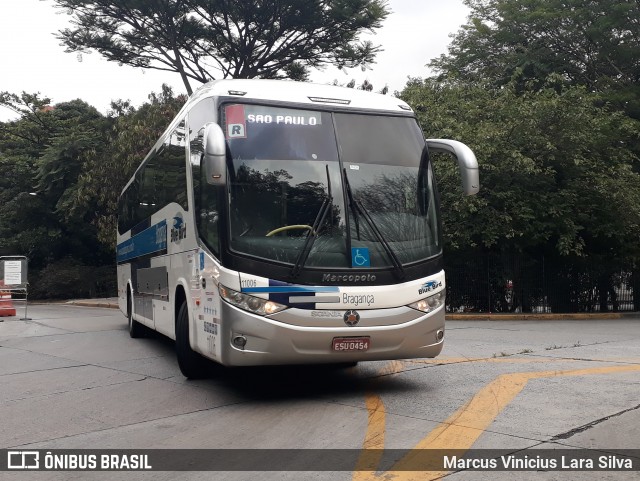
<point>352,203</point>
<point>358,207</point>
<point>327,205</point>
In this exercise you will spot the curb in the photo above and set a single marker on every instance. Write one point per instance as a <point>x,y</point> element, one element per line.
<point>581,316</point>
<point>106,305</point>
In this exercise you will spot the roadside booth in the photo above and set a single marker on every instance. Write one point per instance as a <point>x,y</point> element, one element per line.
<point>14,285</point>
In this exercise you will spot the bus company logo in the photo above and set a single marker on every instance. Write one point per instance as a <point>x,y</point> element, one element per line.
<point>179,229</point>
<point>351,318</point>
<point>161,234</point>
<point>429,286</point>
<point>330,277</point>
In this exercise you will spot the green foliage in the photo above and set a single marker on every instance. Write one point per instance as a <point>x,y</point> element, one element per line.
<point>204,39</point>
<point>41,156</point>
<point>545,92</point>
<point>133,134</point>
<point>70,279</point>
<point>558,170</point>
<point>30,135</point>
<point>585,42</point>
<point>365,85</point>
<point>62,169</point>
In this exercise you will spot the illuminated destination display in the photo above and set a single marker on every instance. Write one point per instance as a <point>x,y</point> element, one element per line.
<point>284,119</point>
<point>239,115</point>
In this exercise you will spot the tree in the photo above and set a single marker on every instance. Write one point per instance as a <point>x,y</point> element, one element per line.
<point>41,157</point>
<point>365,85</point>
<point>133,134</point>
<point>593,43</point>
<point>30,134</point>
<point>62,168</point>
<point>556,169</point>
<point>559,177</point>
<point>206,39</point>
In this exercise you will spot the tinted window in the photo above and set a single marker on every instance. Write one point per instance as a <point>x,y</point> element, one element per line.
<point>287,163</point>
<point>255,132</point>
<point>206,196</point>
<point>284,169</point>
<point>128,207</point>
<point>382,160</point>
<point>160,181</point>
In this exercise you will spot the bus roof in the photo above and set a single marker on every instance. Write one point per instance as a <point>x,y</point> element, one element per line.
<point>299,92</point>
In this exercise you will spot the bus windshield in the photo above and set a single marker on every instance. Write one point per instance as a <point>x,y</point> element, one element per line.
<point>348,188</point>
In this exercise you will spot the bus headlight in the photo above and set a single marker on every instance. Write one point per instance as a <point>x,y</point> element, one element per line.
<point>250,303</point>
<point>430,303</point>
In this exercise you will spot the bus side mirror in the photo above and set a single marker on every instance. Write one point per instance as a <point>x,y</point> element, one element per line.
<point>466,161</point>
<point>215,155</point>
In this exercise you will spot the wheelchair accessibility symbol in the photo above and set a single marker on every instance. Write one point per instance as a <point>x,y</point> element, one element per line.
<point>360,257</point>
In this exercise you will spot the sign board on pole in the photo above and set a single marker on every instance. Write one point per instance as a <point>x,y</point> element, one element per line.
<point>12,272</point>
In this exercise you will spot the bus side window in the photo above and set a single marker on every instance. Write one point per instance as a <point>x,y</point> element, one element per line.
<point>128,207</point>
<point>209,215</point>
<point>177,149</point>
<point>205,195</point>
<point>171,174</point>
<point>148,201</point>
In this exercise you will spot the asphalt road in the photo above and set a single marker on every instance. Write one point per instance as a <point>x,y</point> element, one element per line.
<point>72,378</point>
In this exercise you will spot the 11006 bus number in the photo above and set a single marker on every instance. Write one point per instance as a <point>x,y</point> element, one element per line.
<point>351,343</point>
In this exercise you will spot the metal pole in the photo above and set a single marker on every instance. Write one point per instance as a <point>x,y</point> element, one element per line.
<point>544,290</point>
<point>489,284</point>
<point>26,303</point>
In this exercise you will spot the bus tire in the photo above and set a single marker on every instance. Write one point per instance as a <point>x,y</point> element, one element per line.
<point>191,364</point>
<point>136,330</point>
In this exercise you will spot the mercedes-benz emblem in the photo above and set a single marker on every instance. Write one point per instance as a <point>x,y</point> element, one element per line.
<point>351,318</point>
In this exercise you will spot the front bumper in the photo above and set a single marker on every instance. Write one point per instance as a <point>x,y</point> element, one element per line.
<point>271,342</point>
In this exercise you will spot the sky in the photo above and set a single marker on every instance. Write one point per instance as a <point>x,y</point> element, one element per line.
<point>34,61</point>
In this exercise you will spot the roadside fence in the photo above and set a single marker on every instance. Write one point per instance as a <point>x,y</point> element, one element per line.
<point>495,283</point>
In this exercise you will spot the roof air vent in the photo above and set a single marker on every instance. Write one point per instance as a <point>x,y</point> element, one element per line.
<point>330,101</point>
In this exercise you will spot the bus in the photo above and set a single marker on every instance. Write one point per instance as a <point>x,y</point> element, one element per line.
<point>281,222</point>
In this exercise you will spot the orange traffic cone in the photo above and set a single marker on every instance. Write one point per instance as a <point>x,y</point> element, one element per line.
<point>6,305</point>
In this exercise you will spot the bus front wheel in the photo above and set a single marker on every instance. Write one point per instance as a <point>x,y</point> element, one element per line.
<point>190,362</point>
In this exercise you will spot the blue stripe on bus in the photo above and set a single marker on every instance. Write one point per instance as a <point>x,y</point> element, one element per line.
<point>289,289</point>
<point>151,240</point>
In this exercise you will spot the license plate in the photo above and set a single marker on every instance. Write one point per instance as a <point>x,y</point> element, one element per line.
<point>342,344</point>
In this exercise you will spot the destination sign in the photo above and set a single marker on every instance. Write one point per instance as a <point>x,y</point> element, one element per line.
<point>260,114</point>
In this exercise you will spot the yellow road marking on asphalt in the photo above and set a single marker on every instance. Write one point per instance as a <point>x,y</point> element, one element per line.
<point>463,428</point>
<point>374,438</point>
<point>375,435</point>
<point>509,359</point>
<point>392,367</point>
<point>502,359</point>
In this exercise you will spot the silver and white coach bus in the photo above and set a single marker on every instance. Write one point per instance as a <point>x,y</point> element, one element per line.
<point>278,222</point>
